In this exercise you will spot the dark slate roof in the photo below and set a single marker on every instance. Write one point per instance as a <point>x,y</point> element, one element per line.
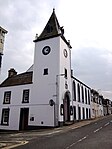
<point>52,29</point>
<point>20,79</point>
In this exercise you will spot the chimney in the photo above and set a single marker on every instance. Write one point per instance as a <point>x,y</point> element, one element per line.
<point>12,72</point>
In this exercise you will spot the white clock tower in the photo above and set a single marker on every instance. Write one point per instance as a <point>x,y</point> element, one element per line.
<point>51,91</point>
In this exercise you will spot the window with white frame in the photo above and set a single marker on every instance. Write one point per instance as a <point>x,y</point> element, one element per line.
<point>5,116</point>
<point>25,96</point>
<point>7,97</point>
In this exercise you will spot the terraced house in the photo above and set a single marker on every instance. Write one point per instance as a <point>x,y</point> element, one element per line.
<point>47,94</point>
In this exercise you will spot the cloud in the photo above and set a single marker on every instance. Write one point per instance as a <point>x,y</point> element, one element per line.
<point>87,24</point>
<point>22,19</point>
<point>93,66</point>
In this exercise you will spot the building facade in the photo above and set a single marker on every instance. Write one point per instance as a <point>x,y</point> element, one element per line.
<point>2,38</point>
<point>47,94</point>
<point>97,109</point>
<point>81,97</point>
<point>107,106</point>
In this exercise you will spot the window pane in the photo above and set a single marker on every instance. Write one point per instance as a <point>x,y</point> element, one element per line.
<point>82,94</point>
<point>5,117</point>
<point>45,71</point>
<point>88,97</point>
<point>85,96</point>
<point>65,73</point>
<point>7,97</point>
<point>25,96</point>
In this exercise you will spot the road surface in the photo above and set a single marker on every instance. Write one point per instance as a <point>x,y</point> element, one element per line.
<point>82,135</point>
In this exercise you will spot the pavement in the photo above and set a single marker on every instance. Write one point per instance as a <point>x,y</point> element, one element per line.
<point>12,139</point>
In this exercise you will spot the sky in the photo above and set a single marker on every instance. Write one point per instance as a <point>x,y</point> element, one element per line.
<point>87,24</point>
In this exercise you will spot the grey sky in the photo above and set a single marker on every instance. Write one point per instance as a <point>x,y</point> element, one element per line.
<point>87,24</point>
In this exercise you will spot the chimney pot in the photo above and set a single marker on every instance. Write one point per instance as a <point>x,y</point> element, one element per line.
<point>12,72</point>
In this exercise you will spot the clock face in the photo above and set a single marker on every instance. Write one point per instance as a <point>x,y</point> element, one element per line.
<point>65,53</point>
<point>46,50</point>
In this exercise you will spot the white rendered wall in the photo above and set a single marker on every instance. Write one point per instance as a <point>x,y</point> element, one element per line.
<point>51,86</point>
<point>81,104</point>
<point>46,119</point>
<point>15,105</point>
<point>65,62</point>
<point>44,86</point>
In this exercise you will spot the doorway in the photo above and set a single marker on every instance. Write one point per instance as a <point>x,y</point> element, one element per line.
<point>66,103</point>
<point>24,112</point>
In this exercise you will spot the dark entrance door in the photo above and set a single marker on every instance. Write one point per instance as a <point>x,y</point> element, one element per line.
<point>24,112</point>
<point>66,103</point>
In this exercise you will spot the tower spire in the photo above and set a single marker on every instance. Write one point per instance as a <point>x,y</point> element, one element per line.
<point>52,29</point>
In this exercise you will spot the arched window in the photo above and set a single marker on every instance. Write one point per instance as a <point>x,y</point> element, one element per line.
<point>88,97</point>
<point>83,111</point>
<point>85,96</point>
<point>82,94</point>
<point>74,91</point>
<point>86,113</point>
<point>79,113</point>
<point>78,91</point>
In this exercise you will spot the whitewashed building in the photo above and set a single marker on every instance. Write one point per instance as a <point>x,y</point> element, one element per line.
<point>81,96</point>
<point>2,38</point>
<point>47,94</point>
<point>96,104</point>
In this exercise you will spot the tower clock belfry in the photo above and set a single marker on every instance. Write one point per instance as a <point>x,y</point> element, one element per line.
<point>52,74</point>
<point>2,37</point>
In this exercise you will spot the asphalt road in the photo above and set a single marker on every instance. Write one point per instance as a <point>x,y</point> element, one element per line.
<point>84,135</point>
<point>96,135</point>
